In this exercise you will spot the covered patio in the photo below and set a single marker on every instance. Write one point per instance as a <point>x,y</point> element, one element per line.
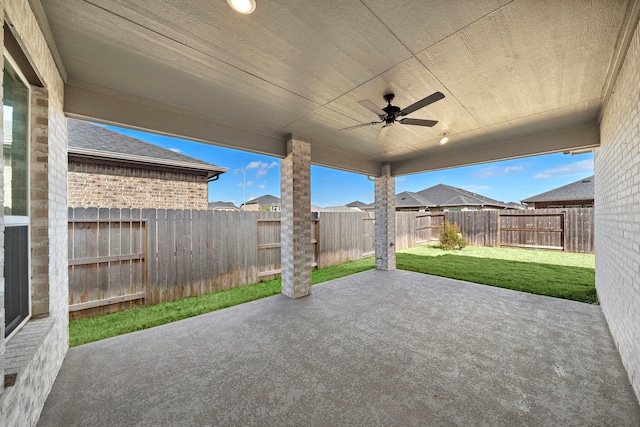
<point>375,348</point>
<point>297,80</point>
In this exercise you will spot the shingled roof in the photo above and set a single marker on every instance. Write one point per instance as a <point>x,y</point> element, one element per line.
<point>408,199</point>
<point>222,205</point>
<point>266,200</point>
<point>444,195</point>
<point>94,141</point>
<point>582,189</point>
<point>357,204</point>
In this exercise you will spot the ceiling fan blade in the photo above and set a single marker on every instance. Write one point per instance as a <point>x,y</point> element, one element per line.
<point>360,125</point>
<point>383,131</point>
<point>437,96</point>
<point>418,122</point>
<point>373,107</point>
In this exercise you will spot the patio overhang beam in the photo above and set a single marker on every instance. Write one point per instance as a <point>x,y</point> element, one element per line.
<point>97,103</point>
<point>585,136</point>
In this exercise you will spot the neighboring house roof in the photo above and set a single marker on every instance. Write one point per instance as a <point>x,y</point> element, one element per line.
<point>356,204</point>
<point>408,199</point>
<point>222,205</point>
<point>266,200</point>
<point>446,195</point>
<point>440,195</point>
<point>335,209</point>
<point>514,205</point>
<point>93,141</point>
<point>582,189</point>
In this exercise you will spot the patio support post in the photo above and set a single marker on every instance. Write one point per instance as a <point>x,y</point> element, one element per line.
<point>385,189</point>
<point>295,235</point>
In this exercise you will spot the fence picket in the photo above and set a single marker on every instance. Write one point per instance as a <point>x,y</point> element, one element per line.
<point>120,254</point>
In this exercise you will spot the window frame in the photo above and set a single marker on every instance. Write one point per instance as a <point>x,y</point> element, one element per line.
<point>22,220</point>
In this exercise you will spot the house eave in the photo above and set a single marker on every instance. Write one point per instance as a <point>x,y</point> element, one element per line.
<point>86,153</point>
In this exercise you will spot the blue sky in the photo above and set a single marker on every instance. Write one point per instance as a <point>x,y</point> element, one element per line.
<point>510,180</point>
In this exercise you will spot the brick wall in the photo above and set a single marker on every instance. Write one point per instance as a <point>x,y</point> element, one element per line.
<point>39,198</point>
<point>385,189</point>
<point>563,203</point>
<point>617,213</point>
<point>2,176</point>
<point>296,256</point>
<point>36,352</point>
<point>94,185</point>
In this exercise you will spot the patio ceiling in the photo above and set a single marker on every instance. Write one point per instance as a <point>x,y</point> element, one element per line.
<point>520,77</point>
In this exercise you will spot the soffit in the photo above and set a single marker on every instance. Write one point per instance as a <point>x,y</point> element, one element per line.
<point>513,72</point>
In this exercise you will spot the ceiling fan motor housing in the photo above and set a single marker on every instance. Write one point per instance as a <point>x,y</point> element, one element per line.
<point>391,110</point>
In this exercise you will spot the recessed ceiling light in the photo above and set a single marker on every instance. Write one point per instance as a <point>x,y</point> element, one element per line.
<point>243,6</point>
<point>444,138</point>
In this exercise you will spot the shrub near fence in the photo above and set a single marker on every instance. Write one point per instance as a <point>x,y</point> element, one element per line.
<point>121,257</point>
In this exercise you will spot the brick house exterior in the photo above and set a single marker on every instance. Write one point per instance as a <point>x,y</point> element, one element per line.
<point>266,202</point>
<point>578,194</point>
<point>31,357</point>
<point>617,212</point>
<point>111,170</point>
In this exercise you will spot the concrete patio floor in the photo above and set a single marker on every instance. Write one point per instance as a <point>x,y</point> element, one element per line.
<point>376,348</point>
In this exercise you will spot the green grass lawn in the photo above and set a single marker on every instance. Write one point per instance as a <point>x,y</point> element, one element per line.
<point>84,331</point>
<point>557,274</point>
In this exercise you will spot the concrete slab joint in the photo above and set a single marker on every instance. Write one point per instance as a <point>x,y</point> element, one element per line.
<point>385,189</point>
<point>296,255</point>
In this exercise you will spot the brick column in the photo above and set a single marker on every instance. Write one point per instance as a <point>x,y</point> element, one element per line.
<point>296,258</point>
<point>385,189</point>
<point>2,196</point>
<point>39,198</point>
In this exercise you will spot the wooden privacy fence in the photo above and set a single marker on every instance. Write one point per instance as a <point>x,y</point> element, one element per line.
<point>107,259</point>
<point>120,257</point>
<point>268,247</point>
<point>535,231</point>
<point>570,230</point>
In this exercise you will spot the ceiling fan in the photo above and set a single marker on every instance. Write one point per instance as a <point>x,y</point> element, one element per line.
<point>389,114</point>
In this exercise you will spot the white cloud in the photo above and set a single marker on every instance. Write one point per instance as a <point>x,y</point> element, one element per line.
<point>401,179</point>
<point>254,165</point>
<point>175,150</point>
<point>262,167</point>
<point>249,183</point>
<point>576,168</point>
<point>264,184</point>
<point>510,169</point>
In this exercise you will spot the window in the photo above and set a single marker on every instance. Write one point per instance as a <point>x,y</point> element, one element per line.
<point>15,154</point>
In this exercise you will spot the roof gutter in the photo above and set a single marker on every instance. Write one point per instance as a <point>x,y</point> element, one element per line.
<point>212,170</point>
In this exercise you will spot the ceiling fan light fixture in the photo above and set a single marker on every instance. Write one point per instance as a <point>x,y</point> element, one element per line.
<point>243,6</point>
<point>444,138</point>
